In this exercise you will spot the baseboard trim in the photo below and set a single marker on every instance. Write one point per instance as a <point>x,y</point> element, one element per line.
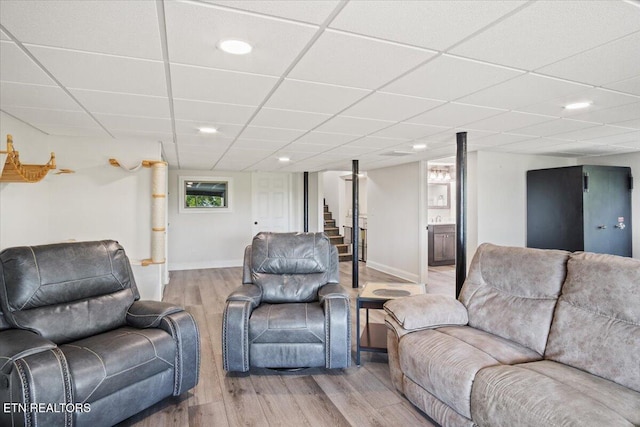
<point>205,264</point>
<point>402,274</point>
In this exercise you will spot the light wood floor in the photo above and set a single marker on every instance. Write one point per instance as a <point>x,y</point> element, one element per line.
<point>357,396</point>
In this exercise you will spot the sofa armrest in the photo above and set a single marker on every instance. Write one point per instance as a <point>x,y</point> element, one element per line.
<point>18,343</point>
<point>426,311</point>
<point>332,290</point>
<point>148,314</point>
<point>184,330</point>
<point>247,292</point>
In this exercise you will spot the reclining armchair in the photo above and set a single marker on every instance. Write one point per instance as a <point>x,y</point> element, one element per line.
<point>76,347</point>
<point>290,311</point>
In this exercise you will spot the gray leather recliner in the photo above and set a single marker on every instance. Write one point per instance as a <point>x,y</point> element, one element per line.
<point>291,311</point>
<point>76,347</point>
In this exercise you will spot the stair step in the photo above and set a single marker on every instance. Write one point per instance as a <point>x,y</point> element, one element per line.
<point>343,248</point>
<point>326,208</point>
<point>329,223</point>
<point>331,231</point>
<point>327,215</point>
<point>336,239</point>
<point>345,257</point>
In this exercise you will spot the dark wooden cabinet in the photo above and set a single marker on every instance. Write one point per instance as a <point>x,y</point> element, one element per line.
<point>580,208</point>
<point>442,244</point>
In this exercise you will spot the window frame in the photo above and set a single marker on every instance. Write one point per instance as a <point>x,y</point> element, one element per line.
<point>182,194</point>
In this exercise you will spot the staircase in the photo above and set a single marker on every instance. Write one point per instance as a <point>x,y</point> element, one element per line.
<point>330,229</point>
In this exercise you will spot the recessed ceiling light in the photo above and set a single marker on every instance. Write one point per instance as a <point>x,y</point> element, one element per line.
<point>419,146</point>
<point>577,105</point>
<point>235,47</point>
<point>283,159</point>
<point>208,130</point>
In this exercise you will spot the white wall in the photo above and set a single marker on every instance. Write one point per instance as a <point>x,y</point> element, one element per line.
<point>97,202</point>
<point>394,228</point>
<point>631,160</point>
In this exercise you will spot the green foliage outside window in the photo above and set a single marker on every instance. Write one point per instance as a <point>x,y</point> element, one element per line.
<point>204,201</point>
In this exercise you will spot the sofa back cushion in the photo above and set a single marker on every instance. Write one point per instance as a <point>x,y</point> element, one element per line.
<point>596,325</point>
<point>512,292</point>
<point>66,291</point>
<point>291,267</point>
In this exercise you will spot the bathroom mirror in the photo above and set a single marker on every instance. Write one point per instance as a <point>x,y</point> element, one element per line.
<point>439,196</point>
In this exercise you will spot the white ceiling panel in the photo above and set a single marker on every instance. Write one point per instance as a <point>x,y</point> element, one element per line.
<point>635,123</point>
<point>298,147</point>
<point>123,103</point>
<point>388,106</point>
<point>16,66</point>
<point>350,150</point>
<point>409,131</point>
<point>449,136</point>
<point>313,97</point>
<point>244,153</point>
<point>374,142</point>
<point>288,119</point>
<point>205,84</point>
<point>271,134</point>
<point>554,127</point>
<point>135,135</point>
<point>630,85</point>
<point>454,114</point>
<point>196,161</point>
<point>592,133</point>
<point>431,24</point>
<point>508,121</point>
<point>94,131</point>
<point>136,124</point>
<point>36,96</point>
<point>521,91</point>
<point>3,36</point>
<point>611,62</point>
<point>299,10</point>
<point>39,117</point>
<point>211,112</point>
<point>612,115</point>
<point>324,138</point>
<point>624,139</point>
<point>225,131</point>
<point>275,42</point>
<point>206,142</point>
<point>128,28</point>
<point>536,144</point>
<point>501,139</point>
<point>582,149</point>
<point>462,77</point>
<point>348,60</point>
<point>510,42</point>
<point>109,73</point>
<point>599,98</point>
<point>353,125</point>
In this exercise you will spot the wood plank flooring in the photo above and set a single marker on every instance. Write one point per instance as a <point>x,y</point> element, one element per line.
<point>357,396</point>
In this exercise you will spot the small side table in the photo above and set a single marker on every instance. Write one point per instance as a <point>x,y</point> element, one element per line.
<point>373,296</point>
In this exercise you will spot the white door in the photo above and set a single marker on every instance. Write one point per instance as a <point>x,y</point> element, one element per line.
<point>270,201</point>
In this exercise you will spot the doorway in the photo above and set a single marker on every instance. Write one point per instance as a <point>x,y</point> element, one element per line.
<point>270,202</point>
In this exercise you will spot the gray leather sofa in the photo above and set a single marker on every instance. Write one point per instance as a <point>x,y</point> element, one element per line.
<point>77,348</point>
<point>536,338</point>
<point>290,311</point>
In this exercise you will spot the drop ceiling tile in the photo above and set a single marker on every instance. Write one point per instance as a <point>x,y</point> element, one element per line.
<point>16,66</point>
<point>39,117</point>
<point>454,114</point>
<point>521,91</point>
<point>94,131</point>
<point>208,153</point>
<point>211,112</point>
<point>288,119</point>
<point>612,115</point>
<point>348,60</point>
<point>271,134</point>
<point>276,43</point>
<point>508,121</point>
<point>80,70</point>
<point>324,138</point>
<point>298,147</point>
<point>226,131</point>
<point>128,28</point>
<point>409,131</point>
<point>582,149</point>
<point>353,125</point>
<point>635,123</point>
<point>388,106</point>
<point>3,36</point>
<point>374,142</point>
<point>246,153</point>
<point>206,142</point>
<point>313,97</point>
<point>570,27</point>
<point>136,124</point>
<point>137,135</point>
<point>533,145</point>
<point>35,96</point>
<point>554,127</point>
<point>433,24</point>
<point>196,161</point>
<point>624,139</point>
<point>501,139</point>
<point>630,86</point>
<point>123,104</point>
<point>258,144</point>
<point>448,78</point>
<point>608,63</point>
<point>449,136</point>
<point>349,150</point>
<point>592,133</point>
<point>205,84</point>
<point>298,10</point>
<point>599,98</point>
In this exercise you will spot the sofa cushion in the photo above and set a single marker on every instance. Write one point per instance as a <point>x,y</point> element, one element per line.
<point>547,393</point>
<point>426,311</point>
<point>596,326</point>
<point>512,292</point>
<point>445,361</point>
<point>103,364</point>
<point>287,323</point>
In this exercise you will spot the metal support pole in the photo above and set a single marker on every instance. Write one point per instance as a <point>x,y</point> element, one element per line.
<point>355,226</point>
<point>461,210</point>
<point>306,201</point>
